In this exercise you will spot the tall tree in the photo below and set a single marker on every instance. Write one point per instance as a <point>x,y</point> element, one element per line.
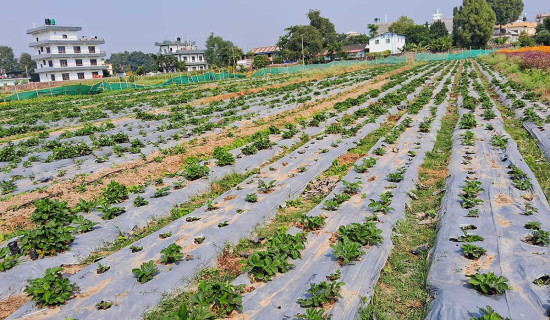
<point>401,25</point>
<point>325,27</point>
<point>506,11</point>
<point>418,34</point>
<point>131,61</point>
<point>8,63</point>
<point>291,43</point>
<point>373,30</point>
<point>438,30</point>
<point>220,52</point>
<point>473,23</point>
<point>27,65</point>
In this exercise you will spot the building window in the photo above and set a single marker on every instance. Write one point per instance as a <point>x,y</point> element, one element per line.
<point>93,62</point>
<point>64,36</point>
<point>376,41</point>
<point>80,75</point>
<point>36,39</point>
<point>76,49</point>
<point>193,59</point>
<point>63,63</point>
<point>47,49</point>
<point>95,74</point>
<point>185,59</point>
<point>91,49</point>
<point>61,49</point>
<point>50,63</point>
<point>78,62</point>
<point>387,40</point>
<point>65,76</point>
<point>52,76</point>
<point>200,58</point>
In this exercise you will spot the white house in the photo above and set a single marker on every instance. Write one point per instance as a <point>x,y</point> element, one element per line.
<point>61,55</point>
<point>186,51</point>
<point>386,41</point>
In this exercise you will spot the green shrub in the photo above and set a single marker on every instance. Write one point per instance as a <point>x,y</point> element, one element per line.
<point>52,289</point>
<point>489,283</point>
<point>146,271</point>
<point>171,254</point>
<point>115,192</point>
<point>55,211</point>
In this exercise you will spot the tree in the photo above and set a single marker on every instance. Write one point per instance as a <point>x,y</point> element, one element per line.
<point>344,39</point>
<point>131,61</point>
<point>141,71</point>
<point>260,61</point>
<point>438,30</point>
<point>220,52</point>
<point>325,27</point>
<point>181,66</point>
<point>543,33</point>
<point>27,65</point>
<point>441,44</point>
<point>418,34</point>
<point>373,30</point>
<point>8,63</point>
<point>401,25</point>
<point>166,63</point>
<point>473,23</point>
<point>525,40</point>
<point>506,11</point>
<point>291,43</point>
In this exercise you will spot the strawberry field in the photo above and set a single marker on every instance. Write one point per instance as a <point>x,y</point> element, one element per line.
<point>279,198</point>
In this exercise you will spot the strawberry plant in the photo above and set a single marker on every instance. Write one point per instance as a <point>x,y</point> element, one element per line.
<point>223,224</point>
<point>347,251</point>
<point>109,212</point>
<point>103,305</point>
<point>310,223</point>
<point>83,225</point>
<point>52,289</point>
<point>171,254</point>
<point>115,192</point>
<point>199,240</point>
<point>521,179</point>
<point>249,150</point>
<point>364,234</point>
<point>468,139</point>
<point>382,205</point>
<point>48,239</point>
<point>468,121</point>
<point>331,205</point>
<point>146,271</point>
<point>321,294</point>
<point>223,156</point>
<point>471,251</point>
<point>165,235</point>
<point>134,248</point>
<point>266,187</point>
<point>352,187</point>
<point>379,151</point>
<point>52,211</point>
<point>251,197</point>
<point>314,314</point>
<point>219,296</point>
<point>140,201</point>
<point>532,225</point>
<point>469,237</point>
<point>341,197</point>
<point>161,192</point>
<point>195,171</point>
<point>470,193</point>
<point>489,283</point>
<point>365,165</point>
<point>397,176</point>
<point>489,314</point>
<point>499,141</point>
<point>540,238</point>
<point>85,206</point>
<point>8,262</point>
<point>197,313</point>
<point>102,268</point>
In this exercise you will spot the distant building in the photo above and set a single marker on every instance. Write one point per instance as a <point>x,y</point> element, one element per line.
<point>515,29</point>
<point>387,41</point>
<point>541,16</point>
<point>356,51</point>
<point>61,55</point>
<point>269,52</point>
<point>186,51</point>
<point>437,16</point>
<point>350,34</point>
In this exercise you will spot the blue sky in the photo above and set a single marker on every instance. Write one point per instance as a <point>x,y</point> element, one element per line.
<point>137,24</point>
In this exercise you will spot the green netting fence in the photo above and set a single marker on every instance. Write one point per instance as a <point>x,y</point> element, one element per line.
<point>81,89</point>
<point>450,56</point>
<point>302,68</point>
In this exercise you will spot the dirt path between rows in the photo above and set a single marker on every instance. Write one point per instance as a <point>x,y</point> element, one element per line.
<point>18,209</point>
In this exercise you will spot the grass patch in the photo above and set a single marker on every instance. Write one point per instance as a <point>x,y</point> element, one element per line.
<point>402,292</point>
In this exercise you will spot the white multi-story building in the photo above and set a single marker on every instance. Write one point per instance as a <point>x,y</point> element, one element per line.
<point>185,51</point>
<point>388,41</point>
<point>61,55</point>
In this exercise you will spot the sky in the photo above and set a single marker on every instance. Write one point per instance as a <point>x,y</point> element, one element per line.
<point>135,25</point>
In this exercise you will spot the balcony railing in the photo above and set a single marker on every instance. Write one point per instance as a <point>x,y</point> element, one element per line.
<point>97,54</point>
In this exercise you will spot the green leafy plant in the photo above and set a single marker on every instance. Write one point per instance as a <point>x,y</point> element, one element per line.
<point>365,165</point>
<point>8,262</point>
<point>52,289</point>
<point>469,237</point>
<point>223,224</point>
<point>489,283</point>
<point>48,239</point>
<point>171,254</point>
<point>379,151</point>
<point>533,225</point>
<point>499,141</point>
<point>102,268</point>
<point>249,150</point>
<point>195,171</point>
<point>251,197</point>
<point>266,187</point>
<point>115,192</point>
<point>219,296</point>
<point>352,187</point>
<point>470,194</point>
<point>55,211</point>
<point>314,314</point>
<point>161,192</point>
<point>146,271</point>
<point>110,212</point>
<point>382,205</point>
<point>321,294</point>
<point>140,201</point>
<point>468,121</point>
<point>489,314</point>
<point>471,251</point>
<point>103,305</point>
<point>223,156</point>
<point>83,225</point>
<point>347,251</point>
<point>468,139</point>
<point>85,206</point>
<point>540,238</point>
<point>310,223</point>
<point>135,248</point>
<point>397,176</point>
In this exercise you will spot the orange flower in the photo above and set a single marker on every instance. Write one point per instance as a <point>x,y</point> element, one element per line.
<point>526,49</point>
